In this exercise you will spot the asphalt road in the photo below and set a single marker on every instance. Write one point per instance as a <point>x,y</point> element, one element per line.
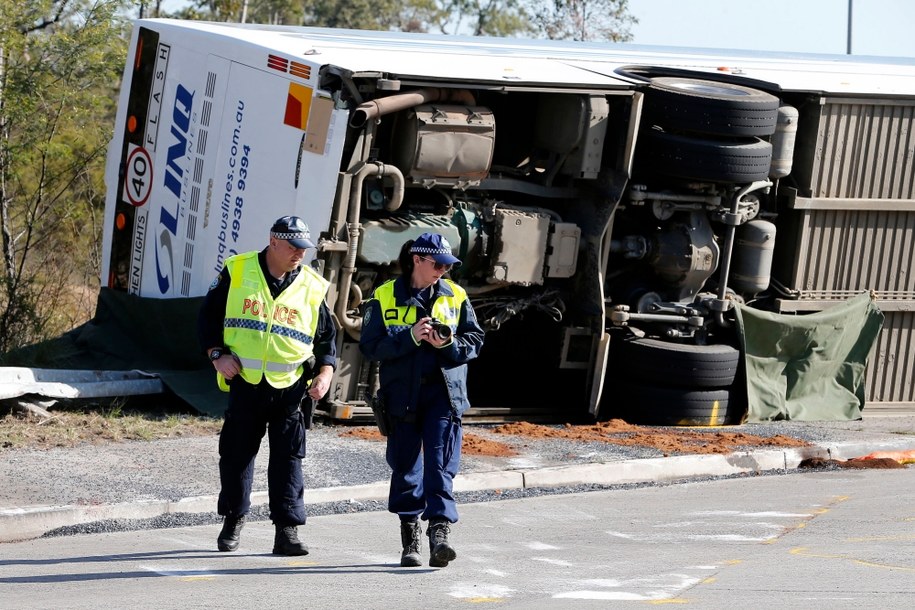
<point>825,539</point>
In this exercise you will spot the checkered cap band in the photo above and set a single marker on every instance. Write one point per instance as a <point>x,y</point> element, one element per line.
<point>296,235</point>
<point>433,251</point>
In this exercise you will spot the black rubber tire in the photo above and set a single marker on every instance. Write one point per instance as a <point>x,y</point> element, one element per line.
<point>674,364</point>
<point>713,108</point>
<point>661,406</point>
<point>705,160</point>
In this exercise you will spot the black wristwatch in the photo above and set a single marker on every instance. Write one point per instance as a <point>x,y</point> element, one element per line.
<point>216,354</point>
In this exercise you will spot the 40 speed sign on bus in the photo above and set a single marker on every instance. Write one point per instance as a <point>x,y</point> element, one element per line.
<point>138,182</point>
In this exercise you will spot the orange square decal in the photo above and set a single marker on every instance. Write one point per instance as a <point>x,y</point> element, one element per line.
<point>298,105</point>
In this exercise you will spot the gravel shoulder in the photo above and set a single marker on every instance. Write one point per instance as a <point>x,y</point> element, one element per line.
<point>175,468</point>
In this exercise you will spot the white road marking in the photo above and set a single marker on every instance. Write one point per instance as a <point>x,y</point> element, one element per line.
<point>541,546</point>
<point>474,590</point>
<point>729,537</point>
<point>653,588</point>
<point>555,562</point>
<point>737,513</point>
<point>180,572</point>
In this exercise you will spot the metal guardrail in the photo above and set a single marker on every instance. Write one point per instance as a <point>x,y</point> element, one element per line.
<point>63,383</point>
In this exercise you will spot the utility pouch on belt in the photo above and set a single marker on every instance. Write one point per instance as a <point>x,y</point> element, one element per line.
<point>308,405</point>
<point>382,419</point>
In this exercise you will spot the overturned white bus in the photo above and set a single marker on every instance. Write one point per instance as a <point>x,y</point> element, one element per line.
<point>611,203</point>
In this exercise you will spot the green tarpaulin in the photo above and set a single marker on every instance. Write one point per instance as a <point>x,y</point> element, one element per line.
<point>134,333</point>
<point>808,367</point>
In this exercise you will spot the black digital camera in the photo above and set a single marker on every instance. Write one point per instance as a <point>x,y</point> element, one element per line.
<point>442,330</point>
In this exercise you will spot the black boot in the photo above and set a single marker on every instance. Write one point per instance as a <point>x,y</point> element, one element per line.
<point>440,550</point>
<point>231,533</point>
<point>411,538</point>
<point>286,541</point>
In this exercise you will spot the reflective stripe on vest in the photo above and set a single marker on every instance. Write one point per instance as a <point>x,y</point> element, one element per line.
<point>272,339</point>
<point>446,309</point>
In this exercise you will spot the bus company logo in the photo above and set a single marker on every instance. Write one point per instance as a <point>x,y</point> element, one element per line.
<point>176,167</point>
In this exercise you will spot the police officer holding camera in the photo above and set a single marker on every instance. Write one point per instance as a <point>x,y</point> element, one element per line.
<point>422,329</point>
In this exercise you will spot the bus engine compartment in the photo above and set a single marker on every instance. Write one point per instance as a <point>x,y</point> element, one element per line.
<point>640,214</point>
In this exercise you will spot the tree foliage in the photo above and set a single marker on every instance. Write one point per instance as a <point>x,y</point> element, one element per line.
<point>60,62</point>
<point>601,20</point>
<point>570,19</point>
<point>484,18</point>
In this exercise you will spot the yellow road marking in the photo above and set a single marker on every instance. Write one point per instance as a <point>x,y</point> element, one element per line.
<point>802,551</point>
<point>882,538</point>
<point>802,524</point>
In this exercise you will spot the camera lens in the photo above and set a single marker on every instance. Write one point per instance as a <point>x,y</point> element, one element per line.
<point>443,330</point>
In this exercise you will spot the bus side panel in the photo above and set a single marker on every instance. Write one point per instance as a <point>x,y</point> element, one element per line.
<point>272,159</point>
<point>207,154</point>
<point>161,167</point>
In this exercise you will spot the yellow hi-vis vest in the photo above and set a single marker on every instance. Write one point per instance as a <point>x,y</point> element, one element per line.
<point>271,338</point>
<point>446,309</point>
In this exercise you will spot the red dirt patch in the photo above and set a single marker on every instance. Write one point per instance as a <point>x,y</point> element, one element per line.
<point>666,440</point>
<point>615,431</point>
<point>473,444</point>
<point>366,434</point>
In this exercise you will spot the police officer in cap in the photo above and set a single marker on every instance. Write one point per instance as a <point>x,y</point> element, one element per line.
<point>422,329</point>
<point>270,337</point>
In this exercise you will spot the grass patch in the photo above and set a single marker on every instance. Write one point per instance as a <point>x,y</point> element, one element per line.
<point>72,423</point>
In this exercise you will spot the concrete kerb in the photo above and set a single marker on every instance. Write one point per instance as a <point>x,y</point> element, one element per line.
<point>32,522</point>
<point>18,524</point>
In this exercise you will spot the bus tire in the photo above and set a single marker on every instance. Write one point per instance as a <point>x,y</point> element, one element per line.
<point>647,405</point>
<point>705,160</point>
<point>712,108</point>
<point>675,364</point>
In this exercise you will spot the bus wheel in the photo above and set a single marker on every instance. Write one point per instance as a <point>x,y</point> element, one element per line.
<point>701,159</point>
<point>674,364</point>
<point>712,108</point>
<point>647,405</point>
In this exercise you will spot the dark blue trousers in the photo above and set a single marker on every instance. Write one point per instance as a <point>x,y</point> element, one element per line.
<point>424,456</point>
<point>252,412</point>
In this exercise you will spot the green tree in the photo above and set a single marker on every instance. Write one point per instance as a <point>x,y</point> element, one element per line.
<point>276,12</point>
<point>607,20</point>
<point>357,14</point>
<point>468,17</point>
<point>412,15</point>
<point>60,63</point>
<point>485,18</point>
<point>599,20</point>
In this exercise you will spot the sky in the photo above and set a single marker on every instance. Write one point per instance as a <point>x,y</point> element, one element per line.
<point>879,27</point>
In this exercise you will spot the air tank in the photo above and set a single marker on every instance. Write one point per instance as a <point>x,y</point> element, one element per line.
<point>751,264</point>
<point>783,142</point>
